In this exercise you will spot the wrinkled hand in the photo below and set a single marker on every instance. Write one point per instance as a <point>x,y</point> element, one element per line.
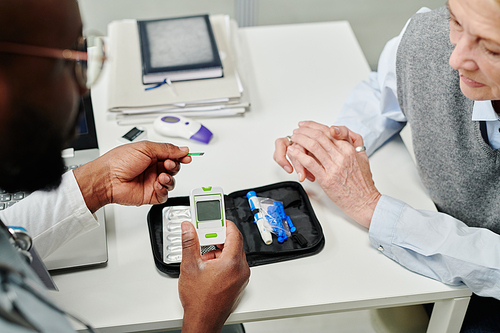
<point>342,173</point>
<point>288,164</point>
<point>132,174</point>
<point>210,285</point>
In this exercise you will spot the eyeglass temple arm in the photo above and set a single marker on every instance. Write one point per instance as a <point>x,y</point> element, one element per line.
<point>40,51</point>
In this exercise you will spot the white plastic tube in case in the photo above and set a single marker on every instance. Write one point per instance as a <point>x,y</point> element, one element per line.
<point>259,217</point>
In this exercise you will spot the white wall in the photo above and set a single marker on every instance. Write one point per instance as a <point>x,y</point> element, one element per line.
<point>374,21</point>
<point>96,14</point>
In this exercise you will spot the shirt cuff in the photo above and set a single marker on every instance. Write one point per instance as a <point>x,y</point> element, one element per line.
<point>71,217</point>
<point>383,224</point>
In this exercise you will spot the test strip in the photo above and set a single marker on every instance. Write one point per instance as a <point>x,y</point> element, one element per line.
<point>195,154</point>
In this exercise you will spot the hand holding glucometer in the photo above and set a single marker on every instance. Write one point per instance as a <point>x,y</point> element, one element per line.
<point>208,215</point>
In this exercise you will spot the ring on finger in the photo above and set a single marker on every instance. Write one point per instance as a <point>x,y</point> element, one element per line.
<point>360,149</point>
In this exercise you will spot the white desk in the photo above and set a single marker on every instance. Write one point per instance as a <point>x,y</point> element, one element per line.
<point>295,72</point>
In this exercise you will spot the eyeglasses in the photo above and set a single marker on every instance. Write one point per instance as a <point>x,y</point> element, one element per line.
<point>89,60</point>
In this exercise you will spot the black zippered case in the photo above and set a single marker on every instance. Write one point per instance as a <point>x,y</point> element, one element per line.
<point>306,241</point>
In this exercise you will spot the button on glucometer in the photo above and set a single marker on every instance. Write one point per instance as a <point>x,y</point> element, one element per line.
<point>211,235</point>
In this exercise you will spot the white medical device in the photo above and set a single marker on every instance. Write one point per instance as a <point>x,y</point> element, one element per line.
<point>179,126</point>
<point>208,215</point>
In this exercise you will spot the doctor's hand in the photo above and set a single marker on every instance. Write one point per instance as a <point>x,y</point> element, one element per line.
<point>289,162</point>
<point>210,285</point>
<point>132,174</point>
<point>342,172</point>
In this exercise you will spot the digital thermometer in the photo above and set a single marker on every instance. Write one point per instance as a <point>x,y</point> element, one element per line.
<point>208,215</point>
<point>179,126</point>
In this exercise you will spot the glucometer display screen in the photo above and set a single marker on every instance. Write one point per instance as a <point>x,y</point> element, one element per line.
<point>208,210</point>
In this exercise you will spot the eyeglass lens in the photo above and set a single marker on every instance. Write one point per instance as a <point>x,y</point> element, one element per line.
<point>88,71</point>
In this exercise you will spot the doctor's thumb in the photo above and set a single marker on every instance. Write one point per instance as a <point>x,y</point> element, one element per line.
<point>190,243</point>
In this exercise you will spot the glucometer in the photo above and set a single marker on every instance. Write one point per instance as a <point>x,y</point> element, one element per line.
<point>208,214</point>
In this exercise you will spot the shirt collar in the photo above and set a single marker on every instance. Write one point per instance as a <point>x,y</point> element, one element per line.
<point>483,110</point>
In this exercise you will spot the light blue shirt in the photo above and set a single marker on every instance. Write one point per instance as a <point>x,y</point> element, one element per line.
<point>438,246</point>
<point>483,110</point>
<point>430,243</point>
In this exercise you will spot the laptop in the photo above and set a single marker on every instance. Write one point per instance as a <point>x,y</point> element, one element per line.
<point>89,248</point>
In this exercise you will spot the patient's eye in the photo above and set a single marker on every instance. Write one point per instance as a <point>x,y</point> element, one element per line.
<point>493,53</point>
<point>455,23</point>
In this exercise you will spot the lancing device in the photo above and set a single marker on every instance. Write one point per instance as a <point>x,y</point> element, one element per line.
<point>259,217</point>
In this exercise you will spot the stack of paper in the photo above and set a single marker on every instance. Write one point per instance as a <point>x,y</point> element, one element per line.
<point>129,101</point>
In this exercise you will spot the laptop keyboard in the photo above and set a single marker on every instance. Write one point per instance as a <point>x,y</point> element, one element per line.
<point>8,199</point>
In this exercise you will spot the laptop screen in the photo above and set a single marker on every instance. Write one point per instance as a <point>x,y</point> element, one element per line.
<point>86,133</point>
<point>82,126</point>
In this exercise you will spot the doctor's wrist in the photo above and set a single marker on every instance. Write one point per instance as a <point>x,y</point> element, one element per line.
<point>196,321</point>
<point>93,183</point>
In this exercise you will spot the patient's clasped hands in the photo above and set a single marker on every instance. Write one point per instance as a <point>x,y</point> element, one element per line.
<point>329,156</point>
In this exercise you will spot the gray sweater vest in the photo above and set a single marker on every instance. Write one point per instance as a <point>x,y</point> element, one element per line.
<point>460,170</point>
